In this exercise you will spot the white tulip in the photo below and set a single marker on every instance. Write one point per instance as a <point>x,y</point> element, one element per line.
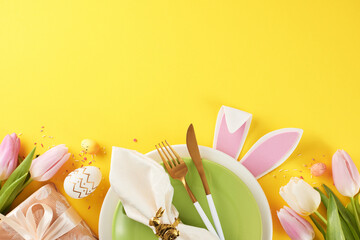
<point>300,196</point>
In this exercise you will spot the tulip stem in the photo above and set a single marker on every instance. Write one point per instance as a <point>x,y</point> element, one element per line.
<point>321,217</point>
<point>355,211</point>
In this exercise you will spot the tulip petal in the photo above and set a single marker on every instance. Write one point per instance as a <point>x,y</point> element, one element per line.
<point>6,149</point>
<point>345,174</point>
<point>9,151</point>
<point>354,173</point>
<point>308,199</point>
<point>289,198</point>
<point>305,223</point>
<point>47,160</point>
<point>295,226</point>
<point>11,167</point>
<point>300,196</point>
<point>53,170</point>
<point>16,144</point>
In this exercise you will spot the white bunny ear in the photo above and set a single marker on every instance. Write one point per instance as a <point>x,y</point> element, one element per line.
<point>232,127</point>
<point>271,151</point>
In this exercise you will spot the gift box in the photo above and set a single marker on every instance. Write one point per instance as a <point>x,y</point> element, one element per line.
<point>45,215</point>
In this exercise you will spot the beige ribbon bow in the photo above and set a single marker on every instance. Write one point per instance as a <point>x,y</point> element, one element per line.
<point>26,226</point>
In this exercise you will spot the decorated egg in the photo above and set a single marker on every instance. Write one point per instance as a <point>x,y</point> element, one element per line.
<point>90,146</point>
<point>82,181</point>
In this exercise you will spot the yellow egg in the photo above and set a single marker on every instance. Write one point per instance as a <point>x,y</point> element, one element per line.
<point>90,146</point>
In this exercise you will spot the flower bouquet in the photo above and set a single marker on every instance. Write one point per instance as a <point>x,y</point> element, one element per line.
<point>341,222</point>
<point>15,177</point>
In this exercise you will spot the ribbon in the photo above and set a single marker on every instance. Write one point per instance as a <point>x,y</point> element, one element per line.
<point>27,228</point>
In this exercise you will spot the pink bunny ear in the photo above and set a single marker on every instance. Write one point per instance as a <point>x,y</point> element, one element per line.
<point>271,151</point>
<point>232,127</point>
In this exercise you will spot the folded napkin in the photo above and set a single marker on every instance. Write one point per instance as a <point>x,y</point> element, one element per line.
<point>144,187</point>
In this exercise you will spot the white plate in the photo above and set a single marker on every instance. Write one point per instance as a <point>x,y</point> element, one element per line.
<point>111,200</point>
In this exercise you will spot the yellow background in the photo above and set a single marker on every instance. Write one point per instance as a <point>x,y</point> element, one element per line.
<point>113,71</point>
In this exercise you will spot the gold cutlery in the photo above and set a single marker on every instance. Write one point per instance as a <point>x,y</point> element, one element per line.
<point>177,169</point>
<point>193,149</point>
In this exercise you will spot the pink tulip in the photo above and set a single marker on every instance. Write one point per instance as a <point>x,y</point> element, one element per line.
<point>345,174</point>
<point>295,226</point>
<point>46,165</point>
<point>9,152</point>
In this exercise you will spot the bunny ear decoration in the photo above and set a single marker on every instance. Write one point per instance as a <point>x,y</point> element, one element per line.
<point>232,127</point>
<point>271,150</point>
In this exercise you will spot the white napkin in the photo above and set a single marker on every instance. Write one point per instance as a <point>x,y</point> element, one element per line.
<point>143,187</point>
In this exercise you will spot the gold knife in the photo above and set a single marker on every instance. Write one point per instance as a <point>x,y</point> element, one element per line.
<point>193,149</point>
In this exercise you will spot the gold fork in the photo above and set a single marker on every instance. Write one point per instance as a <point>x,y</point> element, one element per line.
<point>177,169</point>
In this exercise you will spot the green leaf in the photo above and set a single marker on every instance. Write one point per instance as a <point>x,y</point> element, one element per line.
<point>318,225</point>
<point>334,230</point>
<point>324,198</point>
<point>10,190</point>
<point>357,205</point>
<point>349,231</point>
<point>349,208</point>
<point>17,191</point>
<point>19,171</point>
<point>345,213</point>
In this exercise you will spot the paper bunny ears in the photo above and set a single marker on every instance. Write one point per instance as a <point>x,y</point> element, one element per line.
<point>269,152</point>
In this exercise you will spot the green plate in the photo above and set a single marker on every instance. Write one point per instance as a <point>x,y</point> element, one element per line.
<point>238,212</point>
